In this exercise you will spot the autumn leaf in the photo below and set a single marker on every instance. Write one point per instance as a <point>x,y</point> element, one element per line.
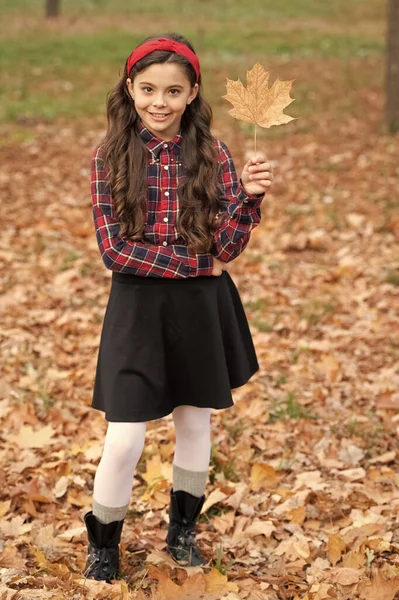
<point>258,103</point>
<point>345,576</point>
<point>69,534</point>
<point>27,437</point>
<point>15,527</point>
<point>4,507</point>
<point>297,515</point>
<point>224,522</point>
<point>380,588</point>
<point>157,471</point>
<point>39,557</point>
<point>10,559</point>
<point>263,475</point>
<point>213,498</point>
<point>258,527</point>
<point>217,582</point>
<point>335,547</point>
<point>208,587</point>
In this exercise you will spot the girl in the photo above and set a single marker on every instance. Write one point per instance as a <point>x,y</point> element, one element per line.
<point>169,215</point>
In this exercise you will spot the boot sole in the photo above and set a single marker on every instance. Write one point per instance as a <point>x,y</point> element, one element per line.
<point>183,563</point>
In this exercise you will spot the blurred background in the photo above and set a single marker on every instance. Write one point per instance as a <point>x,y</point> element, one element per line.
<point>319,281</point>
<point>63,65</point>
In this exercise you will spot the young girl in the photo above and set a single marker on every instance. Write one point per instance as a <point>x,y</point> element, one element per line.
<point>169,215</point>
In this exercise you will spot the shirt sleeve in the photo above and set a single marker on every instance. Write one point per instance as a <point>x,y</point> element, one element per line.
<point>137,258</point>
<point>241,214</point>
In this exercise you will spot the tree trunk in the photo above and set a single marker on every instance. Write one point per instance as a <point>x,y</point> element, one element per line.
<point>392,72</point>
<point>53,8</point>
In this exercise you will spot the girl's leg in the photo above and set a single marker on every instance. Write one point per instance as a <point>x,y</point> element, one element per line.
<point>113,481</point>
<point>193,449</point>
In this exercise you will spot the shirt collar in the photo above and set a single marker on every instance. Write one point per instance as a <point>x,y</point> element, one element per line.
<point>155,144</point>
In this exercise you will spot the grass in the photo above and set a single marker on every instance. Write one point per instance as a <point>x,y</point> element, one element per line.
<point>290,409</point>
<point>47,400</point>
<point>229,469</point>
<point>226,9</point>
<point>281,381</point>
<point>255,305</point>
<point>315,309</point>
<point>259,306</point>
<point>393,278</point>
<point>262,325</point>
<point>235,429</point>
<point>298,353</point>
<point>64,68</point>
<point>370,432</point>
<point>218,564</point>
<point>68,260</point>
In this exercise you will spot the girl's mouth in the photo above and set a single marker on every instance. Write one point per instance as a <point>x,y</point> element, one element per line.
<point>159,116</point>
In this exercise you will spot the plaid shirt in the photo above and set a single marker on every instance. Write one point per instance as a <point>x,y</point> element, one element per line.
<point>164,253</point>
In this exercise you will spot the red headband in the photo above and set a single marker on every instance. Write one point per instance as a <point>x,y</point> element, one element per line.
<point>163,44</point>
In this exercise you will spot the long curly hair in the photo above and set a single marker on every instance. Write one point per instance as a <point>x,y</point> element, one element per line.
<point>125,157</point>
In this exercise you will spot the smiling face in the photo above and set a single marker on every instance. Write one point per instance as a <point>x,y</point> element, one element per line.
<point>161,93</point>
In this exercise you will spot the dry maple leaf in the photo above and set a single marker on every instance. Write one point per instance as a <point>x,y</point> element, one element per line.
<point>380,588</point>
<point>258,103</point>
<point>27,437</point>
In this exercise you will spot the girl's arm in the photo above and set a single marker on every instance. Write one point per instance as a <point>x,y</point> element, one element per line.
<point>137,258</point>
<point>243,211</point>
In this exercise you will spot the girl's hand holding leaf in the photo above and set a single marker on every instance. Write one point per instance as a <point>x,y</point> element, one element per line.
<point>257,175</point>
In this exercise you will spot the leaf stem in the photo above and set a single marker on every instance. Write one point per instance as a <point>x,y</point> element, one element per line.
<point>255,139</point>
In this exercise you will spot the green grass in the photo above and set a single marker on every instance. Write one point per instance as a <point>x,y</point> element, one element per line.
<point>290,409</point>
<point>370,432</point>
<point>315,309</point>
<point>262,325</point>
<point>218,564</point>
<point>281,380</point>
<point>68,260</point>
<point>229,469</point>
<point>393,278</point>
<point>223,9</point>
<point>234,429</point>
<point>255,305</point>
<point>64,69</point>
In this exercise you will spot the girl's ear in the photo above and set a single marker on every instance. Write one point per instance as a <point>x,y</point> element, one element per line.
<point>130,87</point>
<point>193,93</point>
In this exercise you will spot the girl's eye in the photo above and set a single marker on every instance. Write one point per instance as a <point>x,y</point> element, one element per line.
<point>174,90</point>
<point>147,89</point>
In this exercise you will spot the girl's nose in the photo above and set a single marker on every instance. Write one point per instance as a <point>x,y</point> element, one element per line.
<point>159,101</point>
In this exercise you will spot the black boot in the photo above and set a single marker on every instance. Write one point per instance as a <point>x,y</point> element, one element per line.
<point>103,551</point>
<point>183,514</point>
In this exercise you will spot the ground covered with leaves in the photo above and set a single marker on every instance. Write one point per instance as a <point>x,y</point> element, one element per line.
<point>303,495</point>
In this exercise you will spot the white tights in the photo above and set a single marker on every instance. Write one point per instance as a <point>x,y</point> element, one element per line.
<point>124,443</point>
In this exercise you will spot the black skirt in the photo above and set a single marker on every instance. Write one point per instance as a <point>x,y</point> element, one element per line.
<point>168,342</point>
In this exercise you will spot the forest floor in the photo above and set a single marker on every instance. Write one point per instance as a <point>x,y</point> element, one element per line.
<point>303,494</point>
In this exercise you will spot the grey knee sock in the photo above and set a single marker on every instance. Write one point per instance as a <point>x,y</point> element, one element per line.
<point>193,482</point>
<point>107,514</point>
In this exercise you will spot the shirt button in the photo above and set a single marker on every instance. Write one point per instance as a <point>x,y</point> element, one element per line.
<point>165,219</point>
<point>166,193</point>
<point>165,145</point>
<point>164,243</point>
<point>166,167</point>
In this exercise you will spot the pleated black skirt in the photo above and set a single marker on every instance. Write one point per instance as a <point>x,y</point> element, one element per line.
<point>168,342</point>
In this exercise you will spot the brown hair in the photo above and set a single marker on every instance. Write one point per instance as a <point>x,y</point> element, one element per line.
<point>126,158</point>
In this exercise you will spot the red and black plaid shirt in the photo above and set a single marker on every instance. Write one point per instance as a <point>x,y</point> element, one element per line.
<point>164,254</point>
